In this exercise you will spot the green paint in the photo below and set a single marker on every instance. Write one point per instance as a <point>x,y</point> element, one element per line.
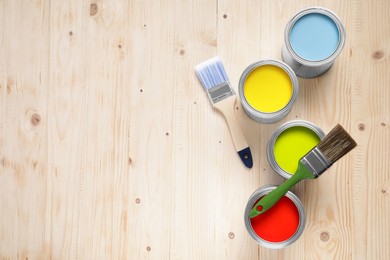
<point>292,144</point>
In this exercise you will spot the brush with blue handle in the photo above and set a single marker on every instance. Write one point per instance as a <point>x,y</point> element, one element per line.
<point>212,75</point>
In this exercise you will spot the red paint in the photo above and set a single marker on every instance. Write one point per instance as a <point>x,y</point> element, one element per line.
<point>279,223</point>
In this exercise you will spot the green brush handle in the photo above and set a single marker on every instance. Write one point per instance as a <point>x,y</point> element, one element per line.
<point>274,196</point>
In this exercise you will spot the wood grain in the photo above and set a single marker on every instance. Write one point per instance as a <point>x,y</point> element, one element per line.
<point>110,148</point>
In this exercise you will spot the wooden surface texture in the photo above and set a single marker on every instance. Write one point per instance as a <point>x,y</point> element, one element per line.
<point>110,147</point>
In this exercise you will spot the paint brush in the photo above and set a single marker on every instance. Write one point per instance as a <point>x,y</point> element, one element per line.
<point>212,75</point>
<point>335,145</point>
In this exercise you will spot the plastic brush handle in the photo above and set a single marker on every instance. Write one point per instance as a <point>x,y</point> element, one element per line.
<point>275,195</point>
<point>226,107</point>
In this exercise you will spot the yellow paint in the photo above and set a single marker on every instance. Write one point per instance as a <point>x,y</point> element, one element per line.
<point>268,88</point>
<point>292,144</point>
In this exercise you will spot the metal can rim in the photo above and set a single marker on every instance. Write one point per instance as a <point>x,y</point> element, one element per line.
<point>301,212</point>
<point>271,143</point>
<point>268,116</point>
<point>335,19</point>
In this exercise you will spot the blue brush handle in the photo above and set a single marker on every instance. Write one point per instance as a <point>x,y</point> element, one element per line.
<point>246,157</point>
<point>226,107</point>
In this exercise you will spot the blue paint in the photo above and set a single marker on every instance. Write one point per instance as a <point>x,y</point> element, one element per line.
<point>314,37</point>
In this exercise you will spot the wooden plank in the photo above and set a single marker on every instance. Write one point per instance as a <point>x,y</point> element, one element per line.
<point>238,33</point>
<point>23,128</point>
<point>197,139</point>
<point>67,140</point>
<point>370,107</point>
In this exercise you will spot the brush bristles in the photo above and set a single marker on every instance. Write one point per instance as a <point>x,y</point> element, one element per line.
<point>211,73</point>
<point>336,144</point>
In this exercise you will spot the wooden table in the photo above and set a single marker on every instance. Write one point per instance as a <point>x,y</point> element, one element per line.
<point>110,148</point>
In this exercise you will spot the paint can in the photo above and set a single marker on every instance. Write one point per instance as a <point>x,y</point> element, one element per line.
<point>268,89</point>
<point>313,39</point>
<point>289,143</point>
<point>279,226</point>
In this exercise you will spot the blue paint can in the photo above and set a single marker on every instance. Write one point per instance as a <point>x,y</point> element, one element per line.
<point>313,39</point>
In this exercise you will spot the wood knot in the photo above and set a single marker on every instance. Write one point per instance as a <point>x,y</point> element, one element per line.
<point>231,235</point>
<point>10,83</point>
<point>361,127</point>
<point>324,236</point>
<point>129,161</point>
<point>119,46</point>
<point>34,164</point>
<point>70,33</point>
<point>166,133</point>
<point>383,124</point>
<point>138,200</point>
<point>378,54</point>
<point>182,52</point>
<point>224,16</point>
<point>35,119</point>
<point>148,248</point>
<point>383,191</point>
<point>93,9</point>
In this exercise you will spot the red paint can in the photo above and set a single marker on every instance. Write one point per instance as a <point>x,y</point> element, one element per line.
<point>279,226</point>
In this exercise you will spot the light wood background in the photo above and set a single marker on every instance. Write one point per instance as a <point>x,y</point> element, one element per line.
<point>110,148</point>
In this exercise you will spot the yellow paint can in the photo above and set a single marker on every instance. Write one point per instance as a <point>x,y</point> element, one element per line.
<point>267,90</point>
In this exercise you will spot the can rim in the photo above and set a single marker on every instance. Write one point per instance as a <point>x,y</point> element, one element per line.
<point>301,212</point>
<point>335,19</point>
<point>271,143</point>
<point>268,115</point>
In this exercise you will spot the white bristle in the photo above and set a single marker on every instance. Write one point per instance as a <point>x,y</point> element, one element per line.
<point>211,73</point>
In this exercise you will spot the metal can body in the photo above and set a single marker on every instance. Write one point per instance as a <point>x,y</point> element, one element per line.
<point>302,66</point>
<point>272,244</point>
<point>314,130</point>
<point>261,116</point>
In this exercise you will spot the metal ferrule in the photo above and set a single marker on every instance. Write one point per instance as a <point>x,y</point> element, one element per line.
<point>220,92</point>
<point>316,162</point>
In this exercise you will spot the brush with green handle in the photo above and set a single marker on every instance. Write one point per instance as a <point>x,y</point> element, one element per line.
<point>335,145</point>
